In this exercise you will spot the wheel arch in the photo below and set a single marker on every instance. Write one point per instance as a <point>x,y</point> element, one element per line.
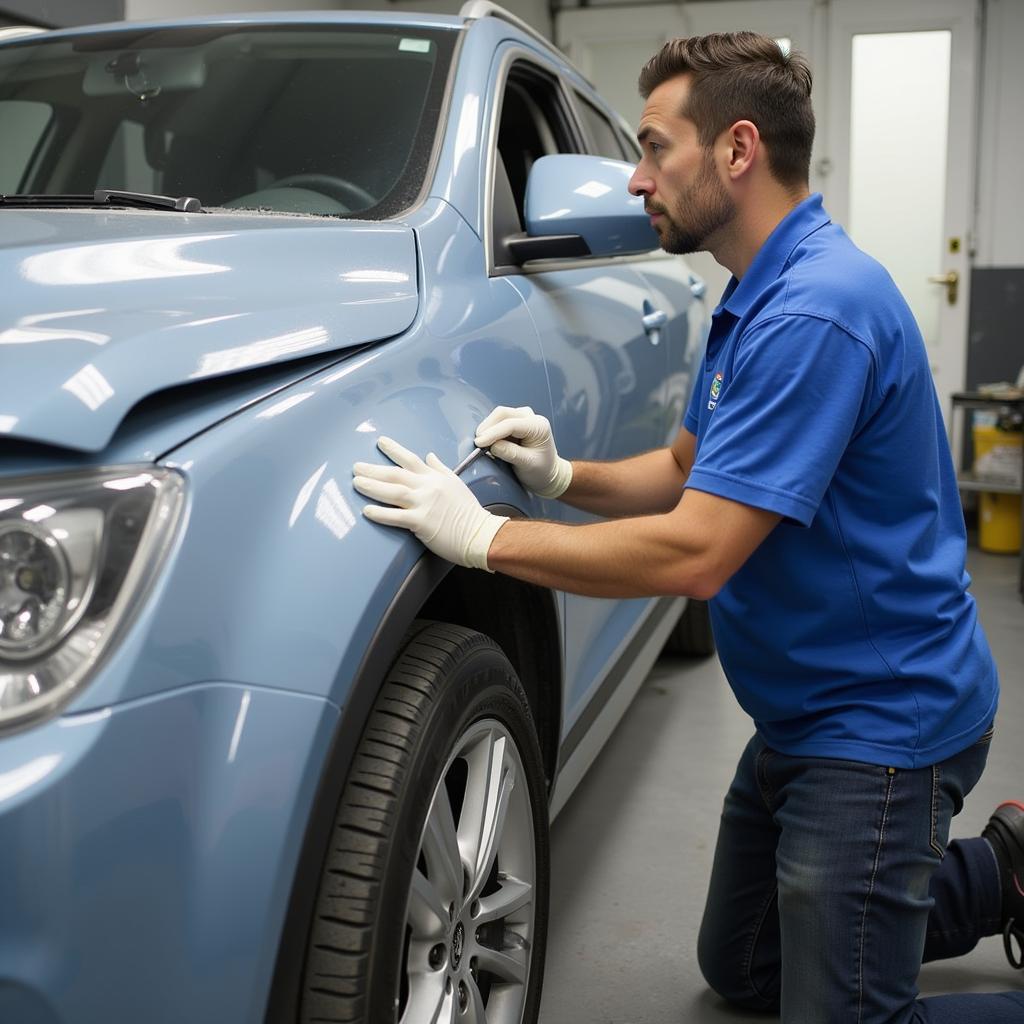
<point>522,619</point>
<point>492,604</point>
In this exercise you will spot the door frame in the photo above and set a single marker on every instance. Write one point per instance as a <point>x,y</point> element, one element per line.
<point>962,18</point>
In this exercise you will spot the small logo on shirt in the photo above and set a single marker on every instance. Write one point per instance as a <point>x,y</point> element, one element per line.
<point>716,390</point>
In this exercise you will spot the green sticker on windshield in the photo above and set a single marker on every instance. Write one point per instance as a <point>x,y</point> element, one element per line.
<point>415,45</point>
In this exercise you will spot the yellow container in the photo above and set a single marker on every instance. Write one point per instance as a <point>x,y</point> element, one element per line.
<point>999,523</point>
<point>997,455</point>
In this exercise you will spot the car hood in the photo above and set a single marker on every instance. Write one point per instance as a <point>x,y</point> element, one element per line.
<point>99,309</point>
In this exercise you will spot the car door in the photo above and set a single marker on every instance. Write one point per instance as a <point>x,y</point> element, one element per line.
<point>606,370</point>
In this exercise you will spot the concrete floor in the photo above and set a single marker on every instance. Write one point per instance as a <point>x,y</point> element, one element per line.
<point>631,851</point>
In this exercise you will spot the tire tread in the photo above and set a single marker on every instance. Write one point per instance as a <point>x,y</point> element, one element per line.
<point>344,919</point>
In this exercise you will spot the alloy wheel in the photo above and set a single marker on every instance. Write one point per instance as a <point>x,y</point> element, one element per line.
<point>470,916</point>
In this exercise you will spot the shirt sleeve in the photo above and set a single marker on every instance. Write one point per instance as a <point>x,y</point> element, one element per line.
<point>800,385</point>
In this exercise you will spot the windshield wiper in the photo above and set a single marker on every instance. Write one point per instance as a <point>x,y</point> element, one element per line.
<point>106,197</point>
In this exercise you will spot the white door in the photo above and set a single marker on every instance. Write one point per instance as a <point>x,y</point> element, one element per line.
<point>610,46</point>
<point>901,139</point>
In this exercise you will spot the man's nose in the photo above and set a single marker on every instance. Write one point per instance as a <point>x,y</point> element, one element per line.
<point>640,184</point>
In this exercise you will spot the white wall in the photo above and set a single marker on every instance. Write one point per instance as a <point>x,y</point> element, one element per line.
<point>999,231</point>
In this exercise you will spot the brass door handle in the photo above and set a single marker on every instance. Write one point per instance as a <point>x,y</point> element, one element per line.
<point>952,283</point>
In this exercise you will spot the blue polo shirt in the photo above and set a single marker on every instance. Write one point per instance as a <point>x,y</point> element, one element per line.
<point>849,633</point>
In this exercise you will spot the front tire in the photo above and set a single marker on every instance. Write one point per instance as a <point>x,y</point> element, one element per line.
<point>432,905</point>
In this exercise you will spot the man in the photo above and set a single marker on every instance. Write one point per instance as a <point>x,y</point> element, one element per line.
<point>820,514</point>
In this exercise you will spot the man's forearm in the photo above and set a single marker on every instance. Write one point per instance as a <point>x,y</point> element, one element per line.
<point>691,550</point>
<point>641,485</point>
<point>638,557</point>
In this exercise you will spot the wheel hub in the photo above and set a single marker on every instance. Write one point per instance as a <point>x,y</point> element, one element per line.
<point>458,944</point>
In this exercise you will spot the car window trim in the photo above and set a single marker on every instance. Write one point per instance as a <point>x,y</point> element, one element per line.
<point>510,56</point>
<point>440,133</point>
<point>507,57</point>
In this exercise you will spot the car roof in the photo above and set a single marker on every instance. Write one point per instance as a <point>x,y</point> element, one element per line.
<point>242,21</point>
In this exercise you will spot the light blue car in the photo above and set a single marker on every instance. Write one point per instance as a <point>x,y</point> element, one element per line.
<point>262,760</point>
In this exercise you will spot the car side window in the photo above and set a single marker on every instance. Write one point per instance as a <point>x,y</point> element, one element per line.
<point>604,140</point>
<point>534,123</point>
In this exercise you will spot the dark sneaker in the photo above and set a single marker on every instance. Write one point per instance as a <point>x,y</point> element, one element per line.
<point>1005,833</point>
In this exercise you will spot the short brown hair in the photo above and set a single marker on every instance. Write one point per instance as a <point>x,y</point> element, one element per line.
<point>739,76</point>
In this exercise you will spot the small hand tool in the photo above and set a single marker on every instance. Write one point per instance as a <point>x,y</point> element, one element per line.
<point>471,458</point>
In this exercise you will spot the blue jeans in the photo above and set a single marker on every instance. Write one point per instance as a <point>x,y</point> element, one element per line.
<point>833,881</point>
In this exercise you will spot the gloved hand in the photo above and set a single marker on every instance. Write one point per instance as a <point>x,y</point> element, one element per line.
<point>432,502</point>
<point>523,438</point>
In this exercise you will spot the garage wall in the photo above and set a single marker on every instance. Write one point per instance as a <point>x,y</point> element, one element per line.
<point>60,13</point>
<point>1000,226</point>
<point>140,10</point>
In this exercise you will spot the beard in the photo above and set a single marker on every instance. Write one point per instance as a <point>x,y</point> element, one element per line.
<point>702,209</point>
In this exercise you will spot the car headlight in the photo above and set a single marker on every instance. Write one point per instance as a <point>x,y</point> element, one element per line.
<point>77,554</point>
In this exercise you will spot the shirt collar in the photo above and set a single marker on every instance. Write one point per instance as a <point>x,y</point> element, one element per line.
<point>801,221</point>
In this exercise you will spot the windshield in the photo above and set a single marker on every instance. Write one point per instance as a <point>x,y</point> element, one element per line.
<point>319,119</point>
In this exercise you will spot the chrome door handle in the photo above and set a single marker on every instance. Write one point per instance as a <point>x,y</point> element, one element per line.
<point>655,320</point>
<point>697,286</point>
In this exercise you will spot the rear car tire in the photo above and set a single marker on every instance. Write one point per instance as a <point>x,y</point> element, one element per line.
<point>691,636</point>
<point>433,899</point>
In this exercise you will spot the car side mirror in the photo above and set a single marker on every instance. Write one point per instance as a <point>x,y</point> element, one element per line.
<point>579,206</point>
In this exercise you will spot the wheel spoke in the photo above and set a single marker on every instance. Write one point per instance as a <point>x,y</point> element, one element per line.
<point>441,849</point>
<point>509,964</point>
<point>488,789</point>
<point>428,1003</point>
<point>512,896</point>
<point>428,913</point>
<point>476,1012</point>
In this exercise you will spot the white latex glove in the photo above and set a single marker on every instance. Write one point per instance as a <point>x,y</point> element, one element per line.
<point>523,438</point>
<point>431,501</point>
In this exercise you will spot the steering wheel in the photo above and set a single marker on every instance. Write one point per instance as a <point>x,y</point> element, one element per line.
<point>344,191</point>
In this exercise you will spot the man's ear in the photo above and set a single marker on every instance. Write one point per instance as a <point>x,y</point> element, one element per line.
<point>744,143</point>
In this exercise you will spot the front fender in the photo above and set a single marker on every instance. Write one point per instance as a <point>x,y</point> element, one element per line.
<point>278,580</point>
